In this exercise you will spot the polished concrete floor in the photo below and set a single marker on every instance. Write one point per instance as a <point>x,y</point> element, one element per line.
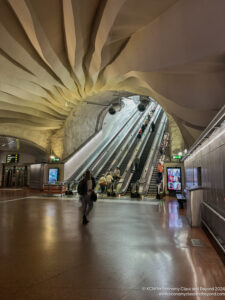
<point>129,250</point>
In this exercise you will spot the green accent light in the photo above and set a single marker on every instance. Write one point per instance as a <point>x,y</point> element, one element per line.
<point>56,159</point>
<point>177,156</point>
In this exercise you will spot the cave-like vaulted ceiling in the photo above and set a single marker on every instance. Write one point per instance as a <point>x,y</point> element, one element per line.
<point>56,54</point>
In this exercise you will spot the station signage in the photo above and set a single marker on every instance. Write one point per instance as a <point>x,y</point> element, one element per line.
<point>12,158</point>
<point>177,156</point>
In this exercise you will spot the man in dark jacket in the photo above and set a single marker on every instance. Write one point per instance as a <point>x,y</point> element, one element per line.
<point>153,126</point>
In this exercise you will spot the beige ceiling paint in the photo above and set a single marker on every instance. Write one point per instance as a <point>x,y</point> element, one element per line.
<point>56,55</point>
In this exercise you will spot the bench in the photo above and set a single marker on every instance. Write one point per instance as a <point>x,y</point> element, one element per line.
<point>54,189</point>
<point>181,199</point>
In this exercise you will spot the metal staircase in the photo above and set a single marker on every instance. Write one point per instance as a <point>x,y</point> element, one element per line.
<point>152,191</point>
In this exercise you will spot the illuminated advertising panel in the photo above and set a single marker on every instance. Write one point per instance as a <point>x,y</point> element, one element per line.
<point>174,179</point>
<point>53,175</point>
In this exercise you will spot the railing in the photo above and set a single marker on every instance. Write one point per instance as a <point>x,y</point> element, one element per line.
<point>216,122</point>
<point>216,236</point>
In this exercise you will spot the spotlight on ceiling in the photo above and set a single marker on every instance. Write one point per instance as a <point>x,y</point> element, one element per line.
<point>115,107</point>
<point>141,107</point>
<point>144,102</point>
<point>112,110</point>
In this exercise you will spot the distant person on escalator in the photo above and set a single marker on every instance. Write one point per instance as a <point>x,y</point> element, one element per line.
<point>153,126</point>
<point>160,172</point>
<point>150,114</point>
<point>143,127</point>
<point>137,164</point>
<point>116,174</point>
<point>162,150</point>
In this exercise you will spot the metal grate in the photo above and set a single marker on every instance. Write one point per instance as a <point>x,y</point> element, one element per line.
<point>196,243</point>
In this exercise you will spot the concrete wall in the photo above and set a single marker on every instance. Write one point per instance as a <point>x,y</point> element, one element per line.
<point>176,139</point>
<point>79,127</point>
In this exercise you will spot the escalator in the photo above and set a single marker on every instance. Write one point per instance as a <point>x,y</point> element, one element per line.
<point>114,158</point>
<point>97,155</point>
<point>122,166</point>
<point>148,178</point>
<point>152,190</point>
<point>137,174</point>
<point>96,170</point>
<point>137,151</point>
<point>127,158</point>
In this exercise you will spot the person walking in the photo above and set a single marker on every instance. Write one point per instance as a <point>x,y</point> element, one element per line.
<point>102,183</point>
<point>143,128</point>
<point>109,182</point>
<point>85,188</point>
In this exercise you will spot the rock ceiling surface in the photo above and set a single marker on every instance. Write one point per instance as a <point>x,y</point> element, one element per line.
<point>56,54</point>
